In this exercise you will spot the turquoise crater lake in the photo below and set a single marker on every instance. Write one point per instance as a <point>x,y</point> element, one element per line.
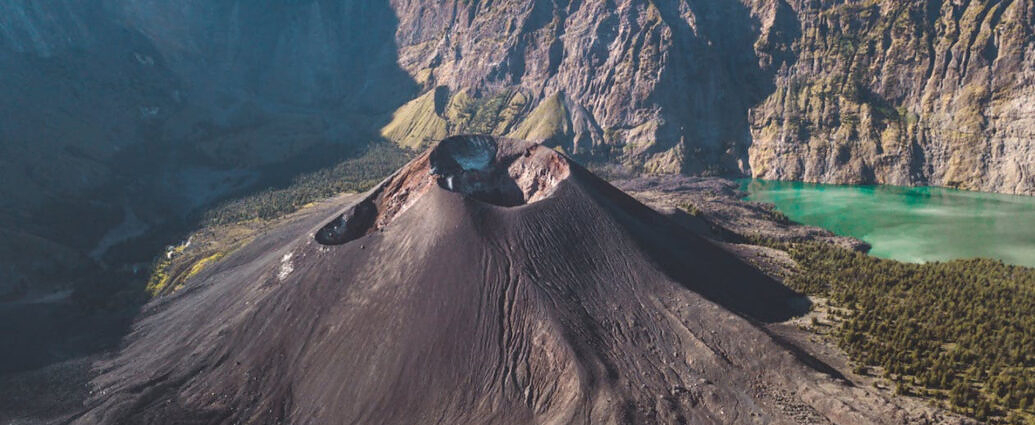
<point>915,224</point>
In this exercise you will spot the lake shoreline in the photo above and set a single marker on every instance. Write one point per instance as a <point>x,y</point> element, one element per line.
<point>910,224</point>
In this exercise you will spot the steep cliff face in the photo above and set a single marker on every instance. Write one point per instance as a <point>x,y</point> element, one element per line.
<point>916,92</point>
<point>661,86</point>
<point>905,92</point>
<point>858,91</point>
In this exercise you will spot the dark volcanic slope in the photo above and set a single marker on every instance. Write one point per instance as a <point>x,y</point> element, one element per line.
<point>430,302</point>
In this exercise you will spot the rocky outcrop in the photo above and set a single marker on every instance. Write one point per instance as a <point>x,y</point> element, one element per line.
<point>859,91</point>
<point>662,87</point>
<point>907,93</point>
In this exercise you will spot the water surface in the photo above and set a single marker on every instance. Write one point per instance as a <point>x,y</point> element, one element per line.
<point>915,224</point>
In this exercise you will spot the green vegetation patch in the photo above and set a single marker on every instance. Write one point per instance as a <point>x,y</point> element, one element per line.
<point>160,277</point>
<point>176,266</point>
<point>548,120</point>
<point>200,264</point>
<point>483,115</point>
<point>960,331</point>
<point>418,122</point>
<point>352,175</point>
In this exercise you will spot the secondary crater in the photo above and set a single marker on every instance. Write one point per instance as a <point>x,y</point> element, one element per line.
<point>350,225</point>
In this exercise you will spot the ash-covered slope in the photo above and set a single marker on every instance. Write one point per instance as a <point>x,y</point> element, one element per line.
<point>488,281</point>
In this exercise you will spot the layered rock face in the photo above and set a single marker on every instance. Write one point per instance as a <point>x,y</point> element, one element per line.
<point>917,92</point>
<point>904,92</point>
<point>662,87</point>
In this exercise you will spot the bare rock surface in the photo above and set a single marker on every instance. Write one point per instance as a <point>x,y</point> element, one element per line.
<point>906,93</point>
<point>581,305</point>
